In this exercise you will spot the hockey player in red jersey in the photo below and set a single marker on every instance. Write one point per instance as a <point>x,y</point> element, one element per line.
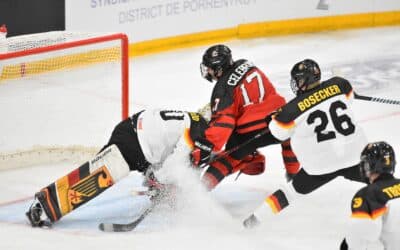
<point>241,99</point>
<point>323,132</point>
<point>376,207</point>
<point>144,142</point>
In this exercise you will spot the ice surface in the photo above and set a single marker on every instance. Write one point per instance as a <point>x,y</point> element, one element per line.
<point>75,109</point>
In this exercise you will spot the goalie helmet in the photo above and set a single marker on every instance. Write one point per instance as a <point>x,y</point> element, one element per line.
<point>305,75</point>
<point>377,157</point>
<point>216,59</point>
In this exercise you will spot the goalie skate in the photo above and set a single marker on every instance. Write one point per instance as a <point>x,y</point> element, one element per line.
<point>36,214</point>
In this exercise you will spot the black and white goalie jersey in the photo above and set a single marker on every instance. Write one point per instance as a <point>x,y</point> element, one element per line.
<point>322,128</point>
<point>161,132</point>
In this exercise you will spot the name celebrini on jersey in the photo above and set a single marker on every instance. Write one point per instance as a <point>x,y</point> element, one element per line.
<point>239,72</point>
<point>318,96</point>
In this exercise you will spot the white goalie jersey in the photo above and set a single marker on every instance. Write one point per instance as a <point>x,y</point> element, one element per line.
<point>160,132</point>
<point>322,128</point>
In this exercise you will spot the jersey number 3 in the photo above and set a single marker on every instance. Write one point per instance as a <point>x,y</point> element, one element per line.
<point>342,123</point>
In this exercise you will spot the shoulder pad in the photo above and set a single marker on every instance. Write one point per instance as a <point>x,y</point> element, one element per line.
<point>300,104</point>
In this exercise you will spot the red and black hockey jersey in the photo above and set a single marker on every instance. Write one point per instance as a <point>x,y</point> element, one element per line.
<point>240,101</point>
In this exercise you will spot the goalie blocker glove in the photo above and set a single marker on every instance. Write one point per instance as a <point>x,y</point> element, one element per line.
<point>201,154</point>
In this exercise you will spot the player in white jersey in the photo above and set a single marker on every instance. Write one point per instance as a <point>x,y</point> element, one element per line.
<point>376,207</point>
<point>323,132</point>
<point>143,142</point>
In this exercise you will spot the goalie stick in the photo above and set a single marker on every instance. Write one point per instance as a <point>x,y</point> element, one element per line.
<point>120,227</point>
<point>376,99</point>
<point>116,227</point>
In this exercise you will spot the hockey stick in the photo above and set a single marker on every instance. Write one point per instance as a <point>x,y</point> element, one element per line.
<point>116,227</point>
<point>237,147</point>
<point>375,99</point>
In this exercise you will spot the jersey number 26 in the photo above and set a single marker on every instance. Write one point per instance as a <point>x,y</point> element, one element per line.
<point>342,123</point>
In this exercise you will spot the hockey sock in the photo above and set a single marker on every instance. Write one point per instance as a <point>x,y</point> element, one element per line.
<point>292,165</point>
<point>276,202</point>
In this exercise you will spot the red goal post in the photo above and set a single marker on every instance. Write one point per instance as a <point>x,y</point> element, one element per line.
<point>22,56</point>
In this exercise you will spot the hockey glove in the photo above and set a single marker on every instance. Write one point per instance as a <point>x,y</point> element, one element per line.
<point>201,154</point>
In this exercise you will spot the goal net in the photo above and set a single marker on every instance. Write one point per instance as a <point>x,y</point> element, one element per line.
<point>53,87</point>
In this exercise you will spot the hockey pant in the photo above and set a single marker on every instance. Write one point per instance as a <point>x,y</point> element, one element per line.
<point>302,184</point>
<point>290,161</point>
<point>125,137</point>
<point>84,183</point>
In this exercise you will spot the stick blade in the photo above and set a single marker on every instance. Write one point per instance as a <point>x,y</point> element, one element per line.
<point>111,227</point>
<point>106,227</point>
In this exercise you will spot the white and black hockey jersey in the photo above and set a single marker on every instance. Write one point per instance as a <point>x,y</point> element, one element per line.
<point>376,215</point>
<point>161,131</point>
<point>322,128</point>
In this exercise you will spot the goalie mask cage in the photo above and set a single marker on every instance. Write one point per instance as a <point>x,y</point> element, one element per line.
<point>89,64</point>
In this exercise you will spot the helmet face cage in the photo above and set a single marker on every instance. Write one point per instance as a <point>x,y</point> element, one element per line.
<point>378,157</point>
<point>365,168</point>
<point>295,86</point>
<point>303,74</point>
<point>204,72</point>
<point>216,59</point>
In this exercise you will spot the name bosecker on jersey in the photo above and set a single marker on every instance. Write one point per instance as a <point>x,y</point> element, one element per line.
<point>328,89</point>
<point>319,96</point>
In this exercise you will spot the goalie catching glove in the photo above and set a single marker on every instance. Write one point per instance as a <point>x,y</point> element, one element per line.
<point>201,154</point>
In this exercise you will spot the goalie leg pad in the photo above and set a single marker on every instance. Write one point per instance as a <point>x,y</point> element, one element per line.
<point>84,183</point>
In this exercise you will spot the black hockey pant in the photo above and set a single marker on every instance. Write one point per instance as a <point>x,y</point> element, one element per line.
<point>304,183</point>
<point>237,139</point>
<point>124,136</point>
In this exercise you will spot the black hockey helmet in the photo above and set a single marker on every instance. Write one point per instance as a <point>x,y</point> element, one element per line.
<point>305,75</point>
<point>377,157</point>
<point>217,58</point>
